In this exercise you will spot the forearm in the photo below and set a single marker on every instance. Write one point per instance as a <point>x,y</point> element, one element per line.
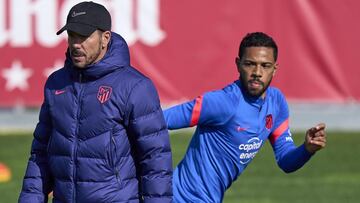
<point>294,159</point>
<point>37,180</point>
<point>156,184</point>
<point>178,116</point>
<point>155,161</point>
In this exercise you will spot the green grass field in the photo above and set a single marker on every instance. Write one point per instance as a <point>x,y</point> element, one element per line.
<point>332,176</point>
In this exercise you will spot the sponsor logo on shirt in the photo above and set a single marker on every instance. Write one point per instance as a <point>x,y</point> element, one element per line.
<point>249,150</point>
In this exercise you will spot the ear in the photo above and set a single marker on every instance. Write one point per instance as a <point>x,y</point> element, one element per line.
<point>238,62</point>
<point>275,68</point>
<point>105,37</point>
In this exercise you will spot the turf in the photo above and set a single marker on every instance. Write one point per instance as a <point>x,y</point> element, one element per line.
<point>332,176</point>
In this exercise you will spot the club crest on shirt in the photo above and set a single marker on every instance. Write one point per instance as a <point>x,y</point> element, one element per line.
<point>268,122</point>
<point>104,93</point>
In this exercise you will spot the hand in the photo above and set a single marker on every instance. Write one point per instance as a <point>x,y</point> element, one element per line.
<point>315,138</point>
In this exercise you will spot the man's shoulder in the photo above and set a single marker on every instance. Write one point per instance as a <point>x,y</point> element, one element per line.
<point>58,73</point>
<point>130,81</point>
<point>276,96</point>
<point>275,92</point>
<point>232,92</point>
<point>58,77</point>
<point>130,77</point>
<point>227,98</point>
<point>132,74</point>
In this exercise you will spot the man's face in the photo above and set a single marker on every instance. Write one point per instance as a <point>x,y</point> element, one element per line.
<point>256,67</point>
<point>87,50</point>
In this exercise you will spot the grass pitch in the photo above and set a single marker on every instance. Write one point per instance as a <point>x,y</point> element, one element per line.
<point>331,176</point>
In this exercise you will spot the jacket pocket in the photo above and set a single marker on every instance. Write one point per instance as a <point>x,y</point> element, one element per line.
<point>48,147</point>
<point>113,156</point>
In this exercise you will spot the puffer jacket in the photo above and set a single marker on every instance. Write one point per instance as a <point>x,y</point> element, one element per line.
<point>101,136</point>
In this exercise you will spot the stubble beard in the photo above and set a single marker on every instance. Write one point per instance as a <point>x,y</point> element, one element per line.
<point>254,93</point>
<point>88,60</point>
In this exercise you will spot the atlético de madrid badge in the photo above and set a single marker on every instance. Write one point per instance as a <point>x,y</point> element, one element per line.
<point>104,93</point>
<point>268,121</point>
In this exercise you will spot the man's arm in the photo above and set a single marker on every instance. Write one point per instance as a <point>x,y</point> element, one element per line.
<point>212,108</point>
<point>152,145</point>
<point>37,182</point>
<point>289,157</point>
<point>183,115</point>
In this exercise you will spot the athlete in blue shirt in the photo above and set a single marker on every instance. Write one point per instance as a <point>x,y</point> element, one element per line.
<point>234,123</point>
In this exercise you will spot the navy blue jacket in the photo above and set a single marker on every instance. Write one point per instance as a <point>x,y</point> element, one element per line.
<point>101,136</point>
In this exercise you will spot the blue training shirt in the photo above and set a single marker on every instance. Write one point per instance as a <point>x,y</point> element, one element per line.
<point>231,128</point>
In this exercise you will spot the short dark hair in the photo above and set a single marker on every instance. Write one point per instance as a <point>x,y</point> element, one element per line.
<point>257,39</point>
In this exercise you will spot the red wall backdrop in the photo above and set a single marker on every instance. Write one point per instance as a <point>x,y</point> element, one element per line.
<point>188,47</point>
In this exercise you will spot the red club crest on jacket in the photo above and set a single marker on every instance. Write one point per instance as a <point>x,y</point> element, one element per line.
<point>268,122</point>
<point>104,93</point>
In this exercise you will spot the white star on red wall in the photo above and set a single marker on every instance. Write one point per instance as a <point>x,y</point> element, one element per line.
<point>16,76</point>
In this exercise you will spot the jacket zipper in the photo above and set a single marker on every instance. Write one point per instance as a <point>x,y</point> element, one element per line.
<point>113,158</point>
<point>76,134</point>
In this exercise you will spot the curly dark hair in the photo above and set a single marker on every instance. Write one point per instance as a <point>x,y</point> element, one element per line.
<point>257,39</point>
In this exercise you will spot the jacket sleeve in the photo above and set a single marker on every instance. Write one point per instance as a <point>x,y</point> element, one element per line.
<point>151,143</point>
<point>289,157</point>
<point>37,182</point>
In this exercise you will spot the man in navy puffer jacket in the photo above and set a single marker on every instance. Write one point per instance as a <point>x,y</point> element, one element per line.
<point>101,135</point>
